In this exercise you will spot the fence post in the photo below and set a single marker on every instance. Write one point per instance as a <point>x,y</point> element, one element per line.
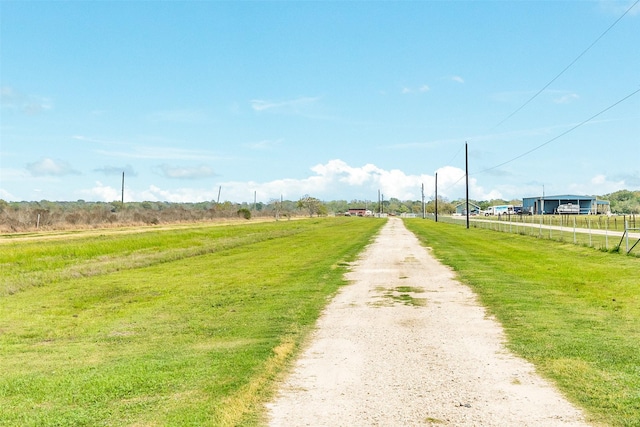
<point>606,234</point>
<point>589,221</point>
<point>626,233</point>
<point>540,229</point>
<point>574,231</point>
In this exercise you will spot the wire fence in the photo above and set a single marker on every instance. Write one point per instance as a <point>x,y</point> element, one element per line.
<point>603,233</point>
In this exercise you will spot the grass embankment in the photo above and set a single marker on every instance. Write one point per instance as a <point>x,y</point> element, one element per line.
<point>572,311</point>
<point>184,327</point>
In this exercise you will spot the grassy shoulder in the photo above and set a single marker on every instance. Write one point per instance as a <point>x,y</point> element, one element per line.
<point>572,311</point>
<point>183,338</point>
<point>50,257</point>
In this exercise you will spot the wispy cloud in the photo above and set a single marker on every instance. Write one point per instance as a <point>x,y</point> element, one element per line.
<point>189,172</point>
<point>291,106</point>
<point>185,116</point>
<point>457,79</point>
<point>6,195</point>
<point>93,140</point>
<point>326,180</point>
<point>618,7</point>
<point>117,170</point>
<point>492,137</point>
<point>567,98</point>
<point>598,184</point>
<point>421,89</point>
<point>555,96</point>
<point>161,153</point>
<point>12,99</point>
<point>51,167</point>
<point>264,145</point>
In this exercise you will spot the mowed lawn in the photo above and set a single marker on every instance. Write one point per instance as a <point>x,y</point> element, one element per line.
<point>180,327</point>
<point>572,311</point>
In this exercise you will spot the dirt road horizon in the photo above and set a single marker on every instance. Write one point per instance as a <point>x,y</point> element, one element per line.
<point>405,344</point>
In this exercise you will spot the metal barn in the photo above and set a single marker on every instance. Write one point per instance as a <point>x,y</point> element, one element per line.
<point>461,209</point>
<point>565,204</point>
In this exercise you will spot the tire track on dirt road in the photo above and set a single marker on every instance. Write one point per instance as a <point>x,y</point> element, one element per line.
<point>406,345</point>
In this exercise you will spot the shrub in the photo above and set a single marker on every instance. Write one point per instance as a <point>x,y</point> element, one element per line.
<point>245,213</point>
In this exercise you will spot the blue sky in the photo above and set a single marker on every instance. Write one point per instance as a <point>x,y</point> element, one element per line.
<point>333,99</point>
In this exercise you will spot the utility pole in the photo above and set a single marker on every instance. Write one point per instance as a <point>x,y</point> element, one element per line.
<point>466,166</point>
<point>122,199</point>
<point>218,199</point>
<point>436,210</point>
<point>424,208</point>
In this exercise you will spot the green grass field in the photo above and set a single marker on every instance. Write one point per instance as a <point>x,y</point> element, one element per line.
<point>572,311</point>
<point>194,325</point>
<point>180,327</point>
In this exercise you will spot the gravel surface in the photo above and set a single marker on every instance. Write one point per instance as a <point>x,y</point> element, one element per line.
<point>406,345</point>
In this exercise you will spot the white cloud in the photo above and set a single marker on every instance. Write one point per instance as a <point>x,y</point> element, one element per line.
<point>160,153</point>
<point>180,195</point>
<point>117,170</point>
<point>566,99</point>
<point>333,180</point>
<point>51,167</point>
<point>105,193</point>
<point>457,79</point>
<point>265,144</point>
<point>5,195</point>
<point>617,8</point>
<point>178,172</point>
<point>288,106</point>
<point>338,180</point>
<point>12,99</point>
<point>598,184</point>
<point>407,90</point>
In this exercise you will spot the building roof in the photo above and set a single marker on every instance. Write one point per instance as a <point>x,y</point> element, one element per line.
<point>563,197</point>
<point>470,204</point>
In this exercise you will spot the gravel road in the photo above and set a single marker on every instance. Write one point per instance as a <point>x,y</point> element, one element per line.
<point>406,345</point>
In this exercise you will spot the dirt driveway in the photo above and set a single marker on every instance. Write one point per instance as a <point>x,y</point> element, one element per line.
<point>406,345</point>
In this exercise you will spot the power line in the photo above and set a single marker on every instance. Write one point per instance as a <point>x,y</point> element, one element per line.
<point>455,155</point>
<point>568,66</point>
<point>561,135</point>
<point>548,141</point>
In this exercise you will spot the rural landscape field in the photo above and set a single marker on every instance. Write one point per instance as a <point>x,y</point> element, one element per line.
<point>573,311</point>
<point>195,324</point>
<point>189,326</point>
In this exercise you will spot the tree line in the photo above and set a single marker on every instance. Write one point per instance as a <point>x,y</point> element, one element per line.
<point>48,215</point>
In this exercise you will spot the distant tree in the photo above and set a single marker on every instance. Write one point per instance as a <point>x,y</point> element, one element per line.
<point>117,206</point>
<point>624,201</point>
<point>338,206</point>
<point>312,205</point>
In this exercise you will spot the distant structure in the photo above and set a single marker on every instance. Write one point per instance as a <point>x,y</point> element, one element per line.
<point>358,212</point>
<point>461,209</point>
<point>565,204</point>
